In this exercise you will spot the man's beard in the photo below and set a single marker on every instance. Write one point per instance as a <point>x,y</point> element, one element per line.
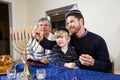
<point>75,30</point>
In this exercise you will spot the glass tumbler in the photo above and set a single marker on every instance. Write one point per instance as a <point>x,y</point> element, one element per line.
<point>40,74</point>
<point>11,73</point>
<point>22,76</point>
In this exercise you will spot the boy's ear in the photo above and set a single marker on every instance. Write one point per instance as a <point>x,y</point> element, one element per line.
<point>69,39</point>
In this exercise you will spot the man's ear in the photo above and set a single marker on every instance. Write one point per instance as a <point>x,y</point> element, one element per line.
<point>50,28</point>
<point>81,21</point>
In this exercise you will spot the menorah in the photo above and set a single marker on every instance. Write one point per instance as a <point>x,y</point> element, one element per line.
<point>22,42</point>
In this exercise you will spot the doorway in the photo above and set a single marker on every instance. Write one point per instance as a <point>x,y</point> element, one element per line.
<point>4,29</point>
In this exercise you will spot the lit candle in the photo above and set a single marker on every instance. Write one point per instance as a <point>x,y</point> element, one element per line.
<point>24,34</point>
<point>14,37</point>
<point>21,36</point>
<point>17,35</point>
<point>11,36</point>
<point>28,36</point>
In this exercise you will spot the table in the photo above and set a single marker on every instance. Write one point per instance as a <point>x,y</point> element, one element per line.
<point>60,73</point>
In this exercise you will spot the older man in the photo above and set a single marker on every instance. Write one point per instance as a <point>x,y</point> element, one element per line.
<point>37,52</point>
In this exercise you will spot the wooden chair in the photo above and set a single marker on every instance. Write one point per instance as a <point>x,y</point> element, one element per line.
<point>112,61</point>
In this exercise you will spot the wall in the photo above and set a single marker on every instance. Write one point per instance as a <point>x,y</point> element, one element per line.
<point>20,13</point>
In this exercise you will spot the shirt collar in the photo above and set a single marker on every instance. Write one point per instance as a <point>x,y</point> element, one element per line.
<point>85,33</point>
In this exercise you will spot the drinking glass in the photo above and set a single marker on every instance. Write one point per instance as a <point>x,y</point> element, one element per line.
<point>22,76</point>
<point>40,74</point>
<point>11,73</point>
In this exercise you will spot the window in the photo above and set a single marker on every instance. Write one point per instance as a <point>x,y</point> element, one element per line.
<point>57,16</point>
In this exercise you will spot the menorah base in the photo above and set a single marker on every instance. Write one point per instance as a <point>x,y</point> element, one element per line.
<point>23,76</point>
<point>30,77</point>
<point>26,70</point>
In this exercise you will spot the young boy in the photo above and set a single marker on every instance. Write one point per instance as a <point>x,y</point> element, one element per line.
<point>64,54</point>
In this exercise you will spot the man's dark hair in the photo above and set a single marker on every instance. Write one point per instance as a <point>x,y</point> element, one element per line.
<point>75,13</point>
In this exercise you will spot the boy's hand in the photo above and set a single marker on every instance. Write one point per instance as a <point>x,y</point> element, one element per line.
<point>70,65</point>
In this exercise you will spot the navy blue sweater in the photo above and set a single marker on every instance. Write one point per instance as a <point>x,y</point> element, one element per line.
<point>91,44</point>
<point>59,58</point>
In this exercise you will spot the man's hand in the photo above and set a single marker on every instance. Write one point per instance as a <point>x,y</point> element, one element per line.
<point>45,60</point>
<point>36,33</point>
<point>86,60</point>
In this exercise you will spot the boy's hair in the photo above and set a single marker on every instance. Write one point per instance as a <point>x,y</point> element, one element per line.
<point>61,32</point>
